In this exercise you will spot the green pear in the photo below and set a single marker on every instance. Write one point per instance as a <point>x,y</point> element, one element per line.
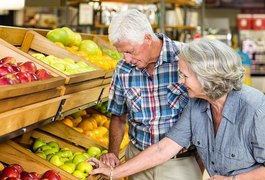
<point>44,147</point>
<point>68,167</point>
<point>41,154</point>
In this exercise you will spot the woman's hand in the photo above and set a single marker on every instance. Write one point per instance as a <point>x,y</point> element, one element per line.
<point>101,168</point>
<point>110,159</point>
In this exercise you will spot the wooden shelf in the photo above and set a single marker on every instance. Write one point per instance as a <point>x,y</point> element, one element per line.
<point>177,2</point>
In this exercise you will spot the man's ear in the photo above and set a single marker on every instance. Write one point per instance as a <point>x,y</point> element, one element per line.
<point>148,38</point>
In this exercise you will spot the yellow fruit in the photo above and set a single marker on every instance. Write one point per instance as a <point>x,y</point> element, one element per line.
<point>68,122</point>
<point>106,124</point>
<point>78,129</point>
<point>59,44</point>
<point>1,166</point>
<point>102,130</point>
<point>76,121</point>
<point>86,125</point>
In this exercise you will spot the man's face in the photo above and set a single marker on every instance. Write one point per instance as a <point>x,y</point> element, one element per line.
<point>134,53</point>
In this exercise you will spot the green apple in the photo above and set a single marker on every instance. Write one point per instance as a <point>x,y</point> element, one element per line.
<point>54,145</point>
<point>44,147</point>
<point>48,157</point>
<point>93,151</point>
<point>78,158</point>
<point>58,35</point>
<point>71,36</point>
<point>56,160</point>
<point>50,151</point>
<point>77,39</point>
<point>68,167</point>
<point>66,153</point>
<point>41,154</point>
<point>89,47</point>
<point>85,167</point>
<point>102,153</point>
<point>77,153</point>
<point>86,155</point>
<point>38,143</point>
<point>79,174</point>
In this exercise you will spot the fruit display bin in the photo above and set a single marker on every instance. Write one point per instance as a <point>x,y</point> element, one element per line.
<point>61,130</point>
<point>82,98</point>
<point>26,141</point>
<point>27,115</point>
<point>12,153</point>
<point>19,95</point>
<point>101,40</point>
<point>38,43</point>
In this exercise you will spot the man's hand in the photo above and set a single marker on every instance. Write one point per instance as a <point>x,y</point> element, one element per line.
<point>110,159</point>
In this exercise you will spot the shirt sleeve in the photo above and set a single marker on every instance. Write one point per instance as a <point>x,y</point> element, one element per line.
<point>258,135</point>
<point>181,131</point>
<point>117,99</point>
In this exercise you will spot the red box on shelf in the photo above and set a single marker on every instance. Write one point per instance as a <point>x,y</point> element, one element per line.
<point>258,22</point>
<point>244,21</point>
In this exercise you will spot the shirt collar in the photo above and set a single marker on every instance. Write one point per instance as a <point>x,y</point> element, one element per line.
<point>230,107</point>
<point>169,51</point>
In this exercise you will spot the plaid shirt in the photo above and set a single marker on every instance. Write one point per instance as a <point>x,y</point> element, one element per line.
<point>152,104</point>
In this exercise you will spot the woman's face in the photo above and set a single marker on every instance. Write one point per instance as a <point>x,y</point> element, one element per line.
<point>189,79</point>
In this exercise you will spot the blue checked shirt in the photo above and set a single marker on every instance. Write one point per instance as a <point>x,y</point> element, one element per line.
<point>152,104</point>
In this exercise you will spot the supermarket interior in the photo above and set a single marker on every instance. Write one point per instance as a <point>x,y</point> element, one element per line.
<point>54,110</point>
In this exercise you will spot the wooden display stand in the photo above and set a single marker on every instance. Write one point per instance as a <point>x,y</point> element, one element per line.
<point>11,153</point>
<point>19,95</point>
<point>28,138</point>
<point>24,116</point>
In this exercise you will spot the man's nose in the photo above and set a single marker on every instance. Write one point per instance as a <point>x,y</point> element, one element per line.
<point>128,58</point>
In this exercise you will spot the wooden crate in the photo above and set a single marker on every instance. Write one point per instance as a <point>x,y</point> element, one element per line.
<point>28,139</point>
<point>27,115</point>
<point>19,95</point>
<point>63,131</point>
<point>12,153</point>
<point>36,42</point>
<point>13,35</point>
<point>81,98</point>
<point>7,49</point>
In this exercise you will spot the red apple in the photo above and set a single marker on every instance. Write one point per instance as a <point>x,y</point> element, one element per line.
<point>6,81</point>
<point>9,172</point>
<point>33,77</point>
<point>13,77</point>
<point>15,68</point>
<point>5,69</point>
<point>9,60</point>
<point>18,167</point>
<point>51,175</point>
<point>43,74</point>
<point>28,66</point>
<point>29,176</point>
<point>13,178</point>
<point>24,77</point>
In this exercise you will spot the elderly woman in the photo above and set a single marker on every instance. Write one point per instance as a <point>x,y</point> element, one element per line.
<point>224,119</point>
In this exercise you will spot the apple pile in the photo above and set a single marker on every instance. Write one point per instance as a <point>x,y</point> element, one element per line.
<point>16,172</point>
<point>67,65</point>
<point>13,72</point>
<point>64,158</point>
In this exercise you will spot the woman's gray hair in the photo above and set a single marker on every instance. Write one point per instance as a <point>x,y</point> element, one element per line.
<point>130,25</point>
<point>217,66</point>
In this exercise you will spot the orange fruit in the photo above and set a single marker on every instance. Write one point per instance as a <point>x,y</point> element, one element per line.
<point>68,122</point>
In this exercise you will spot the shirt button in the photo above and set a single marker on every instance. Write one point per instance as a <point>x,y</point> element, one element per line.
<point>232,155</point>
<point>198,142</point>
<point>215,171</point>
<point>212,163</point>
